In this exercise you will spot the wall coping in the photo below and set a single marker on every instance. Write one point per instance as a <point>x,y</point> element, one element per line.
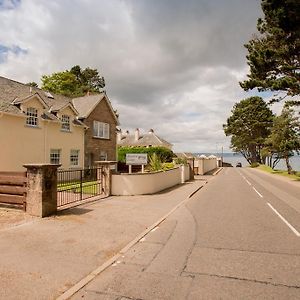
<point>41,165</point>
<point>147,173</point>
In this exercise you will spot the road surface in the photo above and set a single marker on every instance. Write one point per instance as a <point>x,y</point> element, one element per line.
<point>237,238</point>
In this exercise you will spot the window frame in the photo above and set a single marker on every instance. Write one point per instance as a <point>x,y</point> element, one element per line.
<point>101,130</point>
<point>32,118</point>
<point>103,154</point>
<point>65,123</point>
<point>58,153</point>
<point>72,155</point>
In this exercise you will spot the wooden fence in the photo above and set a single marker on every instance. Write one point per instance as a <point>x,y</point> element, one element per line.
<point>13,188</point>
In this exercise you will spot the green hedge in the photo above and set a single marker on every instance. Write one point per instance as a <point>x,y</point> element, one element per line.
<point>163,153</point>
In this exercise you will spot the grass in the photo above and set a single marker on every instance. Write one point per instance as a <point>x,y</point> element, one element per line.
<point>90,187</point>
<point>279,172</point>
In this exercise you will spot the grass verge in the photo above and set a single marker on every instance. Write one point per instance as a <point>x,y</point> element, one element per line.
<point>279,172</point>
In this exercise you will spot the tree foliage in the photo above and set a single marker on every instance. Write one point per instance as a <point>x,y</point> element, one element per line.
<point>249,126</point>
<point>285,136</point>
<point>74,83</point>
<point>32,84</point>
<point>274,55</point>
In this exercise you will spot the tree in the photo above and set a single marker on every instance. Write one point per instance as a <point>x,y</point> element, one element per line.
<point>274,55</point>
<point>285,136</point>
<point>249,126</point>
<point>73,83</point>
<point>32,84</point>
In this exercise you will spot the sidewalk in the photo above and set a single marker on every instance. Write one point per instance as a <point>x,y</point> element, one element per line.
<point>45,257</point>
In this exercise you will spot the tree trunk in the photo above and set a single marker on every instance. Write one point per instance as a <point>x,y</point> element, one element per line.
<point>288,165</point>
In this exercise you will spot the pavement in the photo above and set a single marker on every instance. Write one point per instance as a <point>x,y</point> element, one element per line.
<point>43,258</point>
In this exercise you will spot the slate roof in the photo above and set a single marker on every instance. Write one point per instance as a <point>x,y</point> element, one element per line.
<point>187,155</point>
<point>13,91</point>
<point>86,104</point>
<point>146,139</point>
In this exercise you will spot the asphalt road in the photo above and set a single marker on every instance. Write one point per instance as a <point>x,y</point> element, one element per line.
<point>237,238</point>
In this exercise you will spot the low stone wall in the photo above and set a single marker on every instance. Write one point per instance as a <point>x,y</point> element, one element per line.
<point>148,183</point>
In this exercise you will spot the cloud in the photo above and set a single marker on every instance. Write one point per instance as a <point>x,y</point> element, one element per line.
<point>169,65</point>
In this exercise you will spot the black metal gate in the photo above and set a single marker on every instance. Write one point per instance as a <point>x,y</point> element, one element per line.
<point>79,184</point>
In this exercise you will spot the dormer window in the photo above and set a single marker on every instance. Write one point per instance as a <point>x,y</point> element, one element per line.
<point>65,123</point>
<point>32,116</point>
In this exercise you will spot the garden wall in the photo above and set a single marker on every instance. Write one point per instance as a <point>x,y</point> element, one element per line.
<point>148,183</point>
<point>203,165</point>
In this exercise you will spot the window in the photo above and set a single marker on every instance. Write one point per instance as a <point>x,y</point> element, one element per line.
<point>103,155</point>
<point>55,156</point>
<point>74,158</point>
<point>65,123</point>
<point>32,116</point>
<point>101,130</point>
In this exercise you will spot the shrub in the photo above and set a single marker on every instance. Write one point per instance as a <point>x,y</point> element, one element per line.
<point>167,166</point>
<point>180,161</point>
<point>254,165</point>
<point>155,163</point>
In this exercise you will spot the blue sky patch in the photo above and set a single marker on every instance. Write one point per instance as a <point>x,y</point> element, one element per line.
<point>9,4</point>
<point>4,50</point>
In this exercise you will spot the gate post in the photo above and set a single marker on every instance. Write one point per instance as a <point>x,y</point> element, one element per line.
<point>106,169</point>
<point>41,200</point>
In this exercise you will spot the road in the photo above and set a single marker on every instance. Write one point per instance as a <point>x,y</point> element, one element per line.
<point>237,238</point>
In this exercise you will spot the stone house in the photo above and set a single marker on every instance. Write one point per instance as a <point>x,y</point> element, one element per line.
<point>96,112</point>
<point>38,127</point>
<point>149,139</point>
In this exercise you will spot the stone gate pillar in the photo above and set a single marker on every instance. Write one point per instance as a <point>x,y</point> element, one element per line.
<point>41,199</point>
<point>104,174</point>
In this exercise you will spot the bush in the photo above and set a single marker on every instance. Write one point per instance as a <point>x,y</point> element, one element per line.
<point>180,161</point>
<point>254,165</point>
<point>167,166</point>
<point>155,163</point>
<point>164,154</point>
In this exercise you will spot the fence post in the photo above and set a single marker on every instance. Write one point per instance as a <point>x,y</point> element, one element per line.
<point>41,197</point>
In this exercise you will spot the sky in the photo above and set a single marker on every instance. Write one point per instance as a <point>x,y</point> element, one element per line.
<point>169,65</point>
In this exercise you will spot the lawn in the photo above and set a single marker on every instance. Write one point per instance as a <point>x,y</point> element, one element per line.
<point>279,172</point>
<point>89,187</point>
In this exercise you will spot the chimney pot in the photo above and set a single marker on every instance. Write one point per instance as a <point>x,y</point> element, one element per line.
<point>137,134</point>
<point>119,135</point>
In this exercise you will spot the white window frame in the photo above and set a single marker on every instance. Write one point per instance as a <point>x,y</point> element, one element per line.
<point>55,156</point>
<point>32,117</point>
<point>101,130</point>
<point>74,158</point>
<point>103,156</point>
<point>65,123</point>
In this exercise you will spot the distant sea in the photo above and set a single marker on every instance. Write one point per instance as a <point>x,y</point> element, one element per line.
<point>233,158</point>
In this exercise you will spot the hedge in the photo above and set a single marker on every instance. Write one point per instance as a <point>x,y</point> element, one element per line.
<point>164,154</point>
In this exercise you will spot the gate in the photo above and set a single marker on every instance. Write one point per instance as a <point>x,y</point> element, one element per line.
<point>76,185</point>
<point>13,188</point>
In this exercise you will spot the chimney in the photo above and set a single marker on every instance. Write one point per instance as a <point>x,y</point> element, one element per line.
<point>151,131</point>
<point>137,134</point>
<point>119,135</point>
<point>30,89</point>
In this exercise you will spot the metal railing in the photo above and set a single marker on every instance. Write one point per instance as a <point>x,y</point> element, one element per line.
<point>78,184</point>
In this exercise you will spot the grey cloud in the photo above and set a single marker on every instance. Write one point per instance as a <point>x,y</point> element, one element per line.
<point>171,65</point>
